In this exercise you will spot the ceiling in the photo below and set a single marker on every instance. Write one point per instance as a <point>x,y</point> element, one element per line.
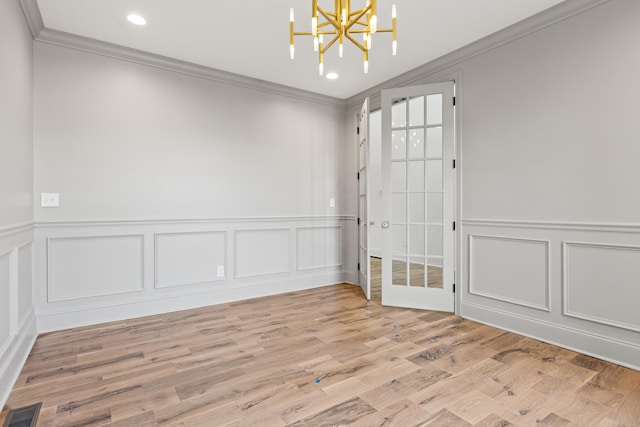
<point>251,37</point>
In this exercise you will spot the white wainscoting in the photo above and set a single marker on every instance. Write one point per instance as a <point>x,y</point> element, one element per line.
<point>262,251</point>
<point>5,301</point>
<point>510,269</point>
<point>570,284</point>
<point>17,316</point>
<point>82,267</point>
<point>611,276</point>
<point>189,258</point>
<point>318,247</point>
<point>93,272</point>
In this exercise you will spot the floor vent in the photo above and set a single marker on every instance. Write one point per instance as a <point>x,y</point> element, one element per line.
<point>23,417</point>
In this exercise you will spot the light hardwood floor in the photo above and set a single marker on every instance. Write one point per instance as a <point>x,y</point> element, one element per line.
<point>322,357</point>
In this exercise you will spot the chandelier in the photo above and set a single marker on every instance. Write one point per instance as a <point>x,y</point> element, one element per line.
<point>340,24</point>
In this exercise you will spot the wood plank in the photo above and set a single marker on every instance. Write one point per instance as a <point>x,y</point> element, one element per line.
<point>325,356</point>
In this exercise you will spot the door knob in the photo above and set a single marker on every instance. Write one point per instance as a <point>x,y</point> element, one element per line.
<point>385,224</point>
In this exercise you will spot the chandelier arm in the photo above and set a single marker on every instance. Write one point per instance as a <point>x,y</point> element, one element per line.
<point>350,24</point>
<point>324,50</point>
<point>356,42</point>
<point>329,18</point>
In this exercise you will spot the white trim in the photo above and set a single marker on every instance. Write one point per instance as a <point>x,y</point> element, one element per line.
<point>15,356</point>
<point>48,266</point>
<point>547,287</point>
<point>566,245</point>
<point>555,225</point>
<point>21,227</point>
<point>155,258</point>
<point>14,293</point>
<point>32,16</point>
<point>110,50</point>
<point>120,222</point>
<point>614,350</point>
<point>537,22</point>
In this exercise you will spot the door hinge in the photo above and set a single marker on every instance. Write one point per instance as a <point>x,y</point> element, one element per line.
<point>358,221</point>
<point>358,266</point>
<point>454,226</point>
<point>454,100</point>
<point>358,176</point>
<point>454,286</point>
<point>454,163</point>
<point>358,130</point>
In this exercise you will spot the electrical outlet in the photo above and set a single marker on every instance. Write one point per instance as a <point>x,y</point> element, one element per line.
<point>332,202</point>
<point>49,200</point>
<point>221,271</point>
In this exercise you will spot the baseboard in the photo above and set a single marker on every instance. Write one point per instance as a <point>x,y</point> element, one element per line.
<point>15,356</point>
<point>89,315</point>
<point>613,350</point>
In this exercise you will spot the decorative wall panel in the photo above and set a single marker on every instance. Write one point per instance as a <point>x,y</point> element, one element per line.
<point>601,283</point>
<point>510,269</point>
<point>318,247</point>
<point>263,251</point>
<point>82,267</point>
<point>189,258</point>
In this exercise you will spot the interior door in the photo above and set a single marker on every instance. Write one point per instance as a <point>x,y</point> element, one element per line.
<point>417,197</point>
<point>364,265</point>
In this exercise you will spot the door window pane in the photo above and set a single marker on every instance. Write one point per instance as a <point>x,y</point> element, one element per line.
<point>434,273</point>
<point>416,175</point>
<point>399,115</point>
<point>434,240</point>
<point>434,175</point>
<point>434,142</point>
<point>416,111</point>
<point>398,176</point>
<point>399,272</point>
<point>434,208</point>
<point>399,144</point>
<point>399,208</point>
<point>416,207</point>
<point>416,240</point>
<point>416,143</point>
<point>416,273</point>
<point>434,109</point>
<point>399,240</point>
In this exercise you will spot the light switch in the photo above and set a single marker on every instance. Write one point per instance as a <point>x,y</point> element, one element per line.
<point>332,202</point>
<point>49,200</point>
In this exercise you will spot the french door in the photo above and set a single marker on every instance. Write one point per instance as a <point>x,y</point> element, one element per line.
<point>418,197</point>
<point>364,264</point>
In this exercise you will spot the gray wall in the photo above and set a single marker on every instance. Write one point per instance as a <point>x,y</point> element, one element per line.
<point>119,140</point>
<point>179,191</point>
<point>17,321</point>
<point>550,239</point>
<point>550,122</point>
<point>548,169</point>
<point>16,163</point>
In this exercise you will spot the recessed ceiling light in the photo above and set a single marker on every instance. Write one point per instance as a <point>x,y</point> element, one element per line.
<point>332,76</point>
<point>136,19</point>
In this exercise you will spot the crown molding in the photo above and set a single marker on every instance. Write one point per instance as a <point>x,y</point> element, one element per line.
<point>60,38</point>
<point>73,41</point>
<point>530,25</point>
<point>32,16</point>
